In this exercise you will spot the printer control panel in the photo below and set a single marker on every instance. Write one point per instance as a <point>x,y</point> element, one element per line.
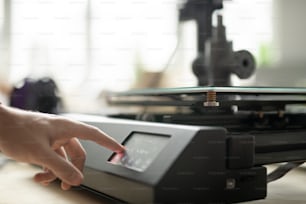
<point>141,150</point>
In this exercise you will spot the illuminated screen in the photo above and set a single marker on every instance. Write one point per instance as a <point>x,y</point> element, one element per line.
<point>141,150</point>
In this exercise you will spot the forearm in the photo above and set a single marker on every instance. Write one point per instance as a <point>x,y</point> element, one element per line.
<point>5,120</point>
<point>14,126</point>
<point>2,120</point>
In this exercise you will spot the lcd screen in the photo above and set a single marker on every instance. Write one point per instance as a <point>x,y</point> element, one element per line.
<point>141,150</point>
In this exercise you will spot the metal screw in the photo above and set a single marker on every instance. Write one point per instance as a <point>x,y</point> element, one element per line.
<point>211,99</point>
<point>261,114</point>
<point>230,183</point>
<point>280,113</point>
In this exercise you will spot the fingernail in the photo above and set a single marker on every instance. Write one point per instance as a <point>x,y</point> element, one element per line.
<point>65,186</point>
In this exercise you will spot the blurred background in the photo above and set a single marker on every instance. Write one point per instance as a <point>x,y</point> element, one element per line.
<point>90,47</point>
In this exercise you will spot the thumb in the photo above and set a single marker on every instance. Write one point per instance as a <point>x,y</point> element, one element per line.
<point>62,168</point>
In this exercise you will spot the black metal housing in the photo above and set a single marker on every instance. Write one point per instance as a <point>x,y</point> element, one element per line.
<point>192,168</point>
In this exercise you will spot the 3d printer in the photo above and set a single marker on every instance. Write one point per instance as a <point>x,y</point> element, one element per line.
<point>212,145</point>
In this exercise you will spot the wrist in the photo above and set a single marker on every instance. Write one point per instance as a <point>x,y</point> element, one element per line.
<point>3,117</point>
<point>4,124</point>
<point>1,122</point>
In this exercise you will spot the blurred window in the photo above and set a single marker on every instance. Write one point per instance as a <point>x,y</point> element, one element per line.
<point>91,45</point>
<point>49,38</point>
<point>1,14</point>
<point>249,25</point>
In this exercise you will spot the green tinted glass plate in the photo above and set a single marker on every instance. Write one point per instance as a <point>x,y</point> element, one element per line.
<point>224,90</point>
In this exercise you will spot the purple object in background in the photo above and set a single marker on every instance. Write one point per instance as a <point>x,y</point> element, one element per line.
<point>37,95</point>
<point>20,94</point>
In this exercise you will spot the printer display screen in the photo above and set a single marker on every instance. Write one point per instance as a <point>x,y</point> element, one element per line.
<point>141,150</point>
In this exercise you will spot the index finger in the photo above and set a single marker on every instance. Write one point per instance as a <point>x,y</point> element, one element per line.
<point>88,132</point>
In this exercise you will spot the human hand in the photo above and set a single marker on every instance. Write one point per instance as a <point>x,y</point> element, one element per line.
<point>51,142</point>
